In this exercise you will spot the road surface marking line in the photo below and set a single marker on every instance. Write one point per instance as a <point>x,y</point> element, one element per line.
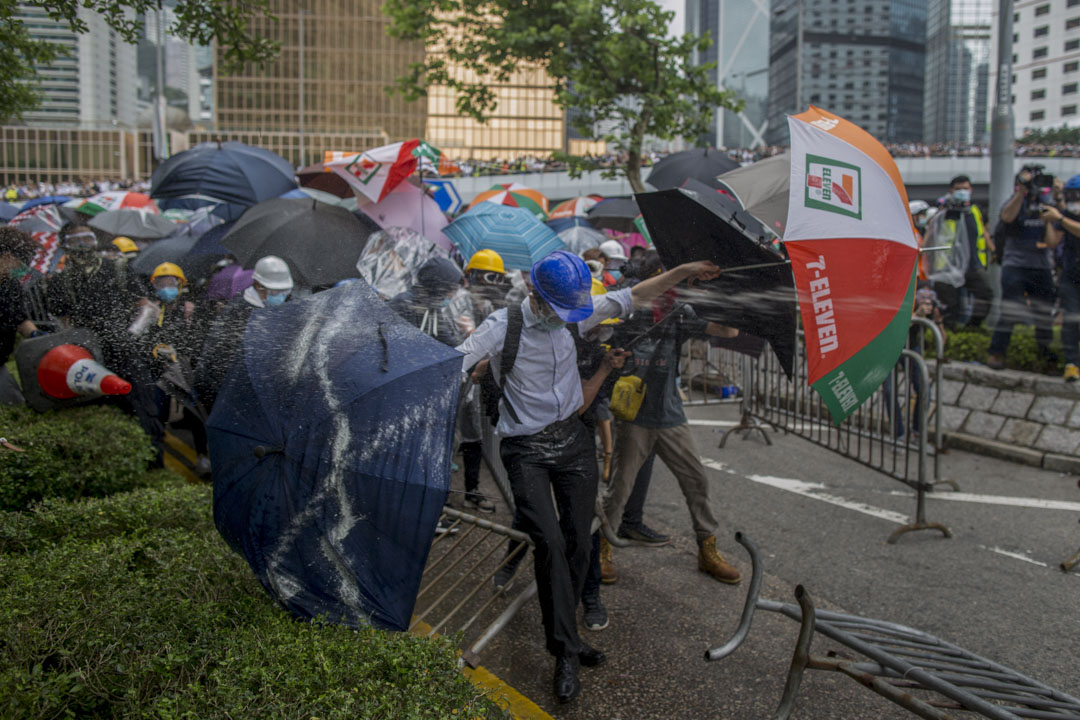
<point>1014,555</point>
<point>1000,500</point>
<point>713,423</point>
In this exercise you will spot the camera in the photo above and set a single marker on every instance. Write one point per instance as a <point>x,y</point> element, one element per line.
<point>1039,189</point>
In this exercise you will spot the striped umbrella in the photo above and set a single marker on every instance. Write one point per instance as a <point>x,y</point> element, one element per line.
<point>574,207</point>
<point>513,232</point>
<point>515,195</point>
<point>101,202</point>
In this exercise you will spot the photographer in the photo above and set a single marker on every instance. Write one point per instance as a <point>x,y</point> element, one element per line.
<point>1069,283</point>
<point>1027,283</point>
<point>960,226</point>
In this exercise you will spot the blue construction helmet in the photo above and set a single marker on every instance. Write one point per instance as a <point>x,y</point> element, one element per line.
<point>1073,183</point>
<point>563,280</point>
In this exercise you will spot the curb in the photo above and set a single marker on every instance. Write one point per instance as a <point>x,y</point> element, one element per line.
<point>1013,453</point>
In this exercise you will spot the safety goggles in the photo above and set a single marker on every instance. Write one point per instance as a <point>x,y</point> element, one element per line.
<point>167,281</point>
<point>491,278</point>
<point>81,240</point>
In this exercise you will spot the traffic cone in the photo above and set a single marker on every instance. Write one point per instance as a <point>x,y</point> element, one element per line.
<point>69,371</point>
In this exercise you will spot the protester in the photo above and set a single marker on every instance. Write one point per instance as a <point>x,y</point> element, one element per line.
<point>616,260</point>
<point>1069,283</point>
<point>16,251</point>
<point>424,304</point>
<point>1027,284</point>
<point>545,447</point>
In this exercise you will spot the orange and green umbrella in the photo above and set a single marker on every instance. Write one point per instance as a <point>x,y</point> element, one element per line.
<point>574,207</point>
<point>853,251</point>
<point>515,195</point>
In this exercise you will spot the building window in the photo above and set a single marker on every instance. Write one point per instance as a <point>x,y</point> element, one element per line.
<point>1039,52</point>
<point>1042,10</point>
<point>1037,115</point>
<point>1074,65</point>
<point>1038,94</point>
<point>1042,31</point>
<point>1069,89</point>
<point>1072,23</point>
<point>1068,110</point>
<point>1038,73</point>
<point>1072,3</point>
<point>1072,45</point>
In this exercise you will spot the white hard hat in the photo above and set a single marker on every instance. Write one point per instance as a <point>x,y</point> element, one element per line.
<point>613,249</point>
<point>273,273</point>
<point>918,206</point>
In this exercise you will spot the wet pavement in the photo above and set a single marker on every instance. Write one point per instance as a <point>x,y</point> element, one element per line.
<point>822,521</point>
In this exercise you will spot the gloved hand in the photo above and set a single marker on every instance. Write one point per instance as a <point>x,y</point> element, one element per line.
<point>39,333</point>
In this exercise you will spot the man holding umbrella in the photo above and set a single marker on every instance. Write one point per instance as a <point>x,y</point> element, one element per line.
<point>545,447</point>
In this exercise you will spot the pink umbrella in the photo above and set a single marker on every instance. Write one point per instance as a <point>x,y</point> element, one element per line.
<point>627,240</point>
<point>409,207</point>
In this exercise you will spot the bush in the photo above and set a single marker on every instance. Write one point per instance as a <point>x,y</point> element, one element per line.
<point>76,452</point>
<point>113,611</point>
<point>973,345</point>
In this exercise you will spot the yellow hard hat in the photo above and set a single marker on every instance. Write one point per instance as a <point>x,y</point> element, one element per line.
<point>125,244</point>
<point>599,289</point>
<point>486,260</point>
<point>169,270</point>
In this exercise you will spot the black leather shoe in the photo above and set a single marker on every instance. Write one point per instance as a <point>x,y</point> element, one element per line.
<point>567,685</point>
<point>590,656</point>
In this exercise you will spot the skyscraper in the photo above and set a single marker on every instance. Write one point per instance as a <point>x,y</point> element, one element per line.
<point>740,49</point>
<point>957,95</point>
<point>861,60</point>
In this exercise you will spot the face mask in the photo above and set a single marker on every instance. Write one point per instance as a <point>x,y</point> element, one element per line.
<point>82,256</point>
<point>921,223</point>
<point>1073,207</point>
<point>20,272</point>
<point>168,294</point>
<point>961,195</point>
<point>617,274</point>
<point>445,302</point>
<point>551,323</point>
<point>273,300</point>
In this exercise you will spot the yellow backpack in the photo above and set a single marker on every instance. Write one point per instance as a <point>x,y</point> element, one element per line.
<point>627,397</point>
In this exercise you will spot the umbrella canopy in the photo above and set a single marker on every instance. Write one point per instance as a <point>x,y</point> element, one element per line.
<point>45,200</point>
<point>561,224</point>
<point>331,442</point>
<point>229,282</point>
<point>515,195</point>
<point>853,249</point>
<point>320,195</point>
<point>762,189</point>
<point>574,207</point>
<point>687,225</point>
<point>140,223</point>
<point>375,173</point>
<point>7,211</point>
<point>168,250</point>
<point>392,257</point>
<point>513,232</point>
<point>579,238</point>
<point>209,243</point>
<point>320,242</point>
<point>615,213</point>
<point>41,218</point>
<point>101,202</point>
<point>731,209</point>
<point>410,207</point>
<point>323,178</point>
<point>222,172</point>
<point>699,164</point>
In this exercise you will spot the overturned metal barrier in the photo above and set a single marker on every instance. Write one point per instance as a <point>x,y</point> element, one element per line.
<point>457,591</point>
<point>909,667</point>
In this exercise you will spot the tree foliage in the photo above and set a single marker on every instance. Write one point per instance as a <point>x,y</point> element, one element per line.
<point>612,63</point>
<point>1052,136</point>
<point>199,21</point>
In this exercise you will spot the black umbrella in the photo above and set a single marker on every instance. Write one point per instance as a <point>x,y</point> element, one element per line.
<point>615,213</point>
<point>699,164</point>
<point>686,226</point>
<point>168,250</point>
<point>762,189</point>
<point>223,172</point>
<point>141,224</point>
<point>320,242</point>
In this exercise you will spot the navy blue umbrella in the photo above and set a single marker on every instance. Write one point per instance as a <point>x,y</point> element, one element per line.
<point>565,223</point>
<point>8,211</point>
<point>224,172</point>
<point>331,442</point>
<point>45,200</point>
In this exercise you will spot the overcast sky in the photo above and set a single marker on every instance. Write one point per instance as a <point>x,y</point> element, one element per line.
<point>679,6</point>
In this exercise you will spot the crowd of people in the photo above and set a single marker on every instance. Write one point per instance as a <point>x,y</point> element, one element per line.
<point>18,192</point>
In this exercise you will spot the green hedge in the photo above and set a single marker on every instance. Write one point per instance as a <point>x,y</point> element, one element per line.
<point>76,452</point>
<point>973,345</point>
<point>132,606</point>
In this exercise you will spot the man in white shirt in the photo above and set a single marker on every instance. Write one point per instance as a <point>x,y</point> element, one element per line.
<point>545,447</point>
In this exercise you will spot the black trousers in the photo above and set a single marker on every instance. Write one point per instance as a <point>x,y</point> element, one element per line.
<point>977,282</point>
<point>472,456</point>
<point>559,460</point>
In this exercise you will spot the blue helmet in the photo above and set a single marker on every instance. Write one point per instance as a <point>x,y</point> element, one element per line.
<point>563,280</point>
<point>1073,183</point>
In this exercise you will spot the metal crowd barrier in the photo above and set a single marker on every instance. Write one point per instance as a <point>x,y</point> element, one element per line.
<point>897,431</point>
<point>909,667</point>
<point>457,591</point>
<point>1073,561</point>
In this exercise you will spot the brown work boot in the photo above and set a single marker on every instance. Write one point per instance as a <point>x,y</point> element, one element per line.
<point>607,564</point>
<point>712,562</point>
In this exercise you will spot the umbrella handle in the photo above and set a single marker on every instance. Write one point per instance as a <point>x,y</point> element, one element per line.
<point>755,267</point>
<point>262,451</point>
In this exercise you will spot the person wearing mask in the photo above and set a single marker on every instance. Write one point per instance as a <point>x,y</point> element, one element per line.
<point>272,283</point>
<point>920,211</point>
<point>425,304</point>
<point>959,226</point>
<point>616,259</point>
<point>16,251</point>
<point>545,447</point>
<point>1065,230</point>
<point>1027,283</point>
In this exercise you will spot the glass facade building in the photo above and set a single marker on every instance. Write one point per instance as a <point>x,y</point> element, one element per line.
<point>862,60</point>
<point>957,71</point>
<point>740,49</point>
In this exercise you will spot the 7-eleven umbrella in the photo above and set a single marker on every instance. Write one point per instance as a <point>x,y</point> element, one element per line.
<point>853,253</point>
<point>515,195</point>
<point>574,207</point>
<point>102,202</point>
<point>374,173</point>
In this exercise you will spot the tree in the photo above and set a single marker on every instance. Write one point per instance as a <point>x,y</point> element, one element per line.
<point>611,61</point>
<point>199,21</point>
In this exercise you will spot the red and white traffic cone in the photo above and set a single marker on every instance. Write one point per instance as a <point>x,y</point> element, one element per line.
<point>69,371</point>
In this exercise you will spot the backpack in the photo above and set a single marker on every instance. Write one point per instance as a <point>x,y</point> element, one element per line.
<point>491,392</point>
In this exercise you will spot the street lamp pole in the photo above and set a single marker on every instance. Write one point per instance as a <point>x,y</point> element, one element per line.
<point>1002,136</point>
<point>303,156</point>
<point>799,58</point>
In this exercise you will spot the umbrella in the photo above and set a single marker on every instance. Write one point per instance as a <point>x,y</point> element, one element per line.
<point>331,442</point>
<point>209,243</point>
<point>41,218</point>
<point>412,208</point>
<point>101,202</point>
<point>578,238</point>
<point>515,195</point>
<point>688,225</point>
<point>168,250</point>
<point>732,210</point>
<point>221,172</point>
<point>141,224</point>
<point>320,195</point>
<point>762,189</point>
<point>574,207</point>
<point>7,211</point>
<point>322,178</point>
<point>320,242</point>
<point>561,224</point>
<point>699,164</point>
<point>626,239</point>
<point>375,173</point>
<point>45,200</point>
<point>392,257</point>
<point>853,249</point>
<point>615,213</point>
<point>229,282</point>
<point>513,232</point>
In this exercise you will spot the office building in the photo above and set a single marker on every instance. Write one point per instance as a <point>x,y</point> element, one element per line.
<point>740,49</point>
<point>861,60</point>
<point>1046,64</point>
<point>957,94</point>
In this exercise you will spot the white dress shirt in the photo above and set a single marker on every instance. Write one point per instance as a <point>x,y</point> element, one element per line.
<point>544,387</point>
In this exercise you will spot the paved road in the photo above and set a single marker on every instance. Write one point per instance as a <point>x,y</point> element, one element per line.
<point>821,521</point>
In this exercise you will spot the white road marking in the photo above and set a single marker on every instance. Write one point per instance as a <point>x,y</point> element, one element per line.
<point>713,423</point>
<point>1000,500</point>
<point>1014,555</point>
